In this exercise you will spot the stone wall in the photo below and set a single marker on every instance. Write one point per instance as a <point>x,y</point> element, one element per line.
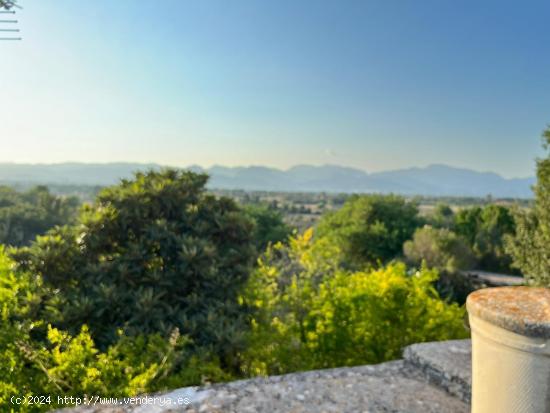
<point>432,378</point>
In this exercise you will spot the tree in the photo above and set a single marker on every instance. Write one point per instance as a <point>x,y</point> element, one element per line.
<point>151,254</point>
<point>370,228</point>
<point>24,215</point>
<point>439,248</point>
<point>485,229</point>
<point>467,222</point>
<point>497,222</point>
<point>449,254</point>
<point>269,227</point>
<point>530,245</point>
<point>443,216</point>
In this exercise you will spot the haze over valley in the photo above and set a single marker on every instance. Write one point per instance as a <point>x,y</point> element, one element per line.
<point>434,180</point>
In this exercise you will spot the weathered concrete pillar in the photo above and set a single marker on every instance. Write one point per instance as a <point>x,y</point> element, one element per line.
<point>510,350</point>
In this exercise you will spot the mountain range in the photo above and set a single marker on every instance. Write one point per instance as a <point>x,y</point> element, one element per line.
<point>433,180</point>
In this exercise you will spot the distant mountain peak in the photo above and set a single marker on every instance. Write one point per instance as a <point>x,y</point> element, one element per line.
<point>433,180</point>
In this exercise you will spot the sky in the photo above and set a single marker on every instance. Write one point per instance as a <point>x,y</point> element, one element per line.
<point>375,85</point>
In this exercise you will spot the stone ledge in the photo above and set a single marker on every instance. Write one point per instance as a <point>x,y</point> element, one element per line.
<point>446,364</point>
<point>433,378</point>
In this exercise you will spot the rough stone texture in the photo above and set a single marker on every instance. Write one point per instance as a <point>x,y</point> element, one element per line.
<point>522,310</point>
<point>448,365</point>
<point>427,381</point>
<point>388,387</point>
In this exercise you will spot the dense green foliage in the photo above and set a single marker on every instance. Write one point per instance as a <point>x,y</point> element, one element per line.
<point>312,314</point>
<point>530,246</point>
<point>485,230</point>
<point>63,365</point>
<point>153,287</point>
<point>442,217</point>
<point>444,250</point>
<point>269,226</point>
<point>150,255</point>
<point>439,248</point>
<point>24,215</point>
<point>370,228</point>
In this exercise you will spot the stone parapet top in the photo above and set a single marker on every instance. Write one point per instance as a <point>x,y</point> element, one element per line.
<point>433,378</point>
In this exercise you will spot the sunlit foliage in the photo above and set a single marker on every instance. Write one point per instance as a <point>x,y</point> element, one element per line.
<point>311,314</point>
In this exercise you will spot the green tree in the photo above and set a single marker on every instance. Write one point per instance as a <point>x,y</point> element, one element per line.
<point>439,248</point>
<point>269,226</point>
<point>442,217</point>
<point>151,254</point>
<point>442,249</point>
<point>485,230</point>
<point>530,245</point>
<point>25,215</point>
<point>370,228</point>
<point>497,222</point>
<point>467,222</point>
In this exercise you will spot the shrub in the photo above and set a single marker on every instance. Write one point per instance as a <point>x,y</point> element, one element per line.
<point>448,253</point>
<point>439,248</point>
<point>68,365</point>
<point>64,365</point>
<point>310,314</point>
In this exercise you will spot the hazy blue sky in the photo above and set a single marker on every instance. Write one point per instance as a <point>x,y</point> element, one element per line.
<point>371,84</point>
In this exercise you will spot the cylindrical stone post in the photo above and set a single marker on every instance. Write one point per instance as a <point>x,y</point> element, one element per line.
<point>510,349</point>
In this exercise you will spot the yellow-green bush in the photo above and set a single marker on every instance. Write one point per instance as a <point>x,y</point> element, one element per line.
<point>310,314</point>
